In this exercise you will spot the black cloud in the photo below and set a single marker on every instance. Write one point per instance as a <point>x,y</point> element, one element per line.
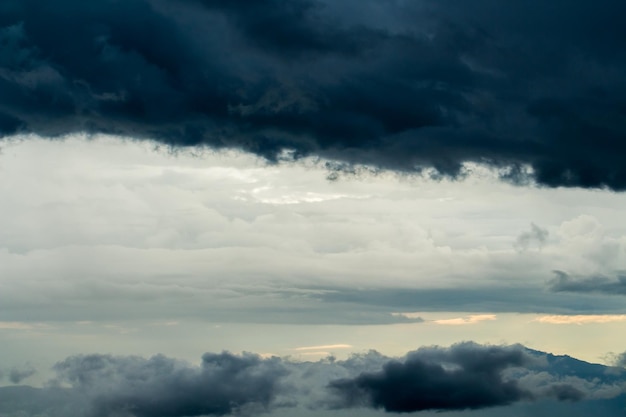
<point>563,282</point>
<point>396,85</point>
<point>470,376</point>
<point>466,376</point>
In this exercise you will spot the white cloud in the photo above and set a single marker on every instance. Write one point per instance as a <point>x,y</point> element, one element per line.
<point>127,230</point>
<point>14,325</point>
<point>581,319</point>
<point>324,347</point>
<point>472,319</point>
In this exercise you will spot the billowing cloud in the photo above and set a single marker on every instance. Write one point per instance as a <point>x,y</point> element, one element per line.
<point>531,88</point>
<point>563,282</point>
<point>464,376</point>
<point>161,386</point>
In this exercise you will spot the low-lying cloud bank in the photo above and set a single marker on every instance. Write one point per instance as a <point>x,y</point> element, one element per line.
<point>464,376</point>
<point>533,88</point>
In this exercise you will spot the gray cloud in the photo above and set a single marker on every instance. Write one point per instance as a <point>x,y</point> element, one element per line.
<point>466,375</point>
<point>535,234</point>
<point>395,85</point>
<point>17,375</point>
<point>563,282</point>
<point>472,376</point>
<point>564,392</point>
<point>497,299</point>
<point>620,360</point>
<point>161,386</point>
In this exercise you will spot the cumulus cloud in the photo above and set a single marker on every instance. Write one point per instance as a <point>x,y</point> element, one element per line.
<point>464,376</point>
<point>469,376</point>
<point>161,386</point>
<point>395,85</point>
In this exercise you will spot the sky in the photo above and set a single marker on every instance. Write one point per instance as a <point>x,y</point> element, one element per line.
<point>312,208</point>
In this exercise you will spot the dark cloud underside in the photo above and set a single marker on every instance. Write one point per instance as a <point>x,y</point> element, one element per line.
<point>563,282</point>
<point>464,376</point>
<point>495,299</point>
<point>391,84</point>
<point>162,387</point>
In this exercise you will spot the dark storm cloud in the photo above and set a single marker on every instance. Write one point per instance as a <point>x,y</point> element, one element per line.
<point>470,376</point>
<point>161,386</point>
<point>397,85</point>
<point>563,282</point>
<point>466,375</point>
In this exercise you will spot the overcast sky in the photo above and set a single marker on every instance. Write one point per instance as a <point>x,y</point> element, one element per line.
<point>395,206</point>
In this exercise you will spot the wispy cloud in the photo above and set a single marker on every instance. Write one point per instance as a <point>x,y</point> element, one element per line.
<point>460,321</point>
<point>455,321</point>
<point>169,323</point>
<point>324,347</point>
<point>18,325</point>
<point>582,319</point>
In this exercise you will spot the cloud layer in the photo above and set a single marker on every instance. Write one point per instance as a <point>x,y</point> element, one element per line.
<point>530,87</point>
<point>463,376</point>
<point>103,229</point>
